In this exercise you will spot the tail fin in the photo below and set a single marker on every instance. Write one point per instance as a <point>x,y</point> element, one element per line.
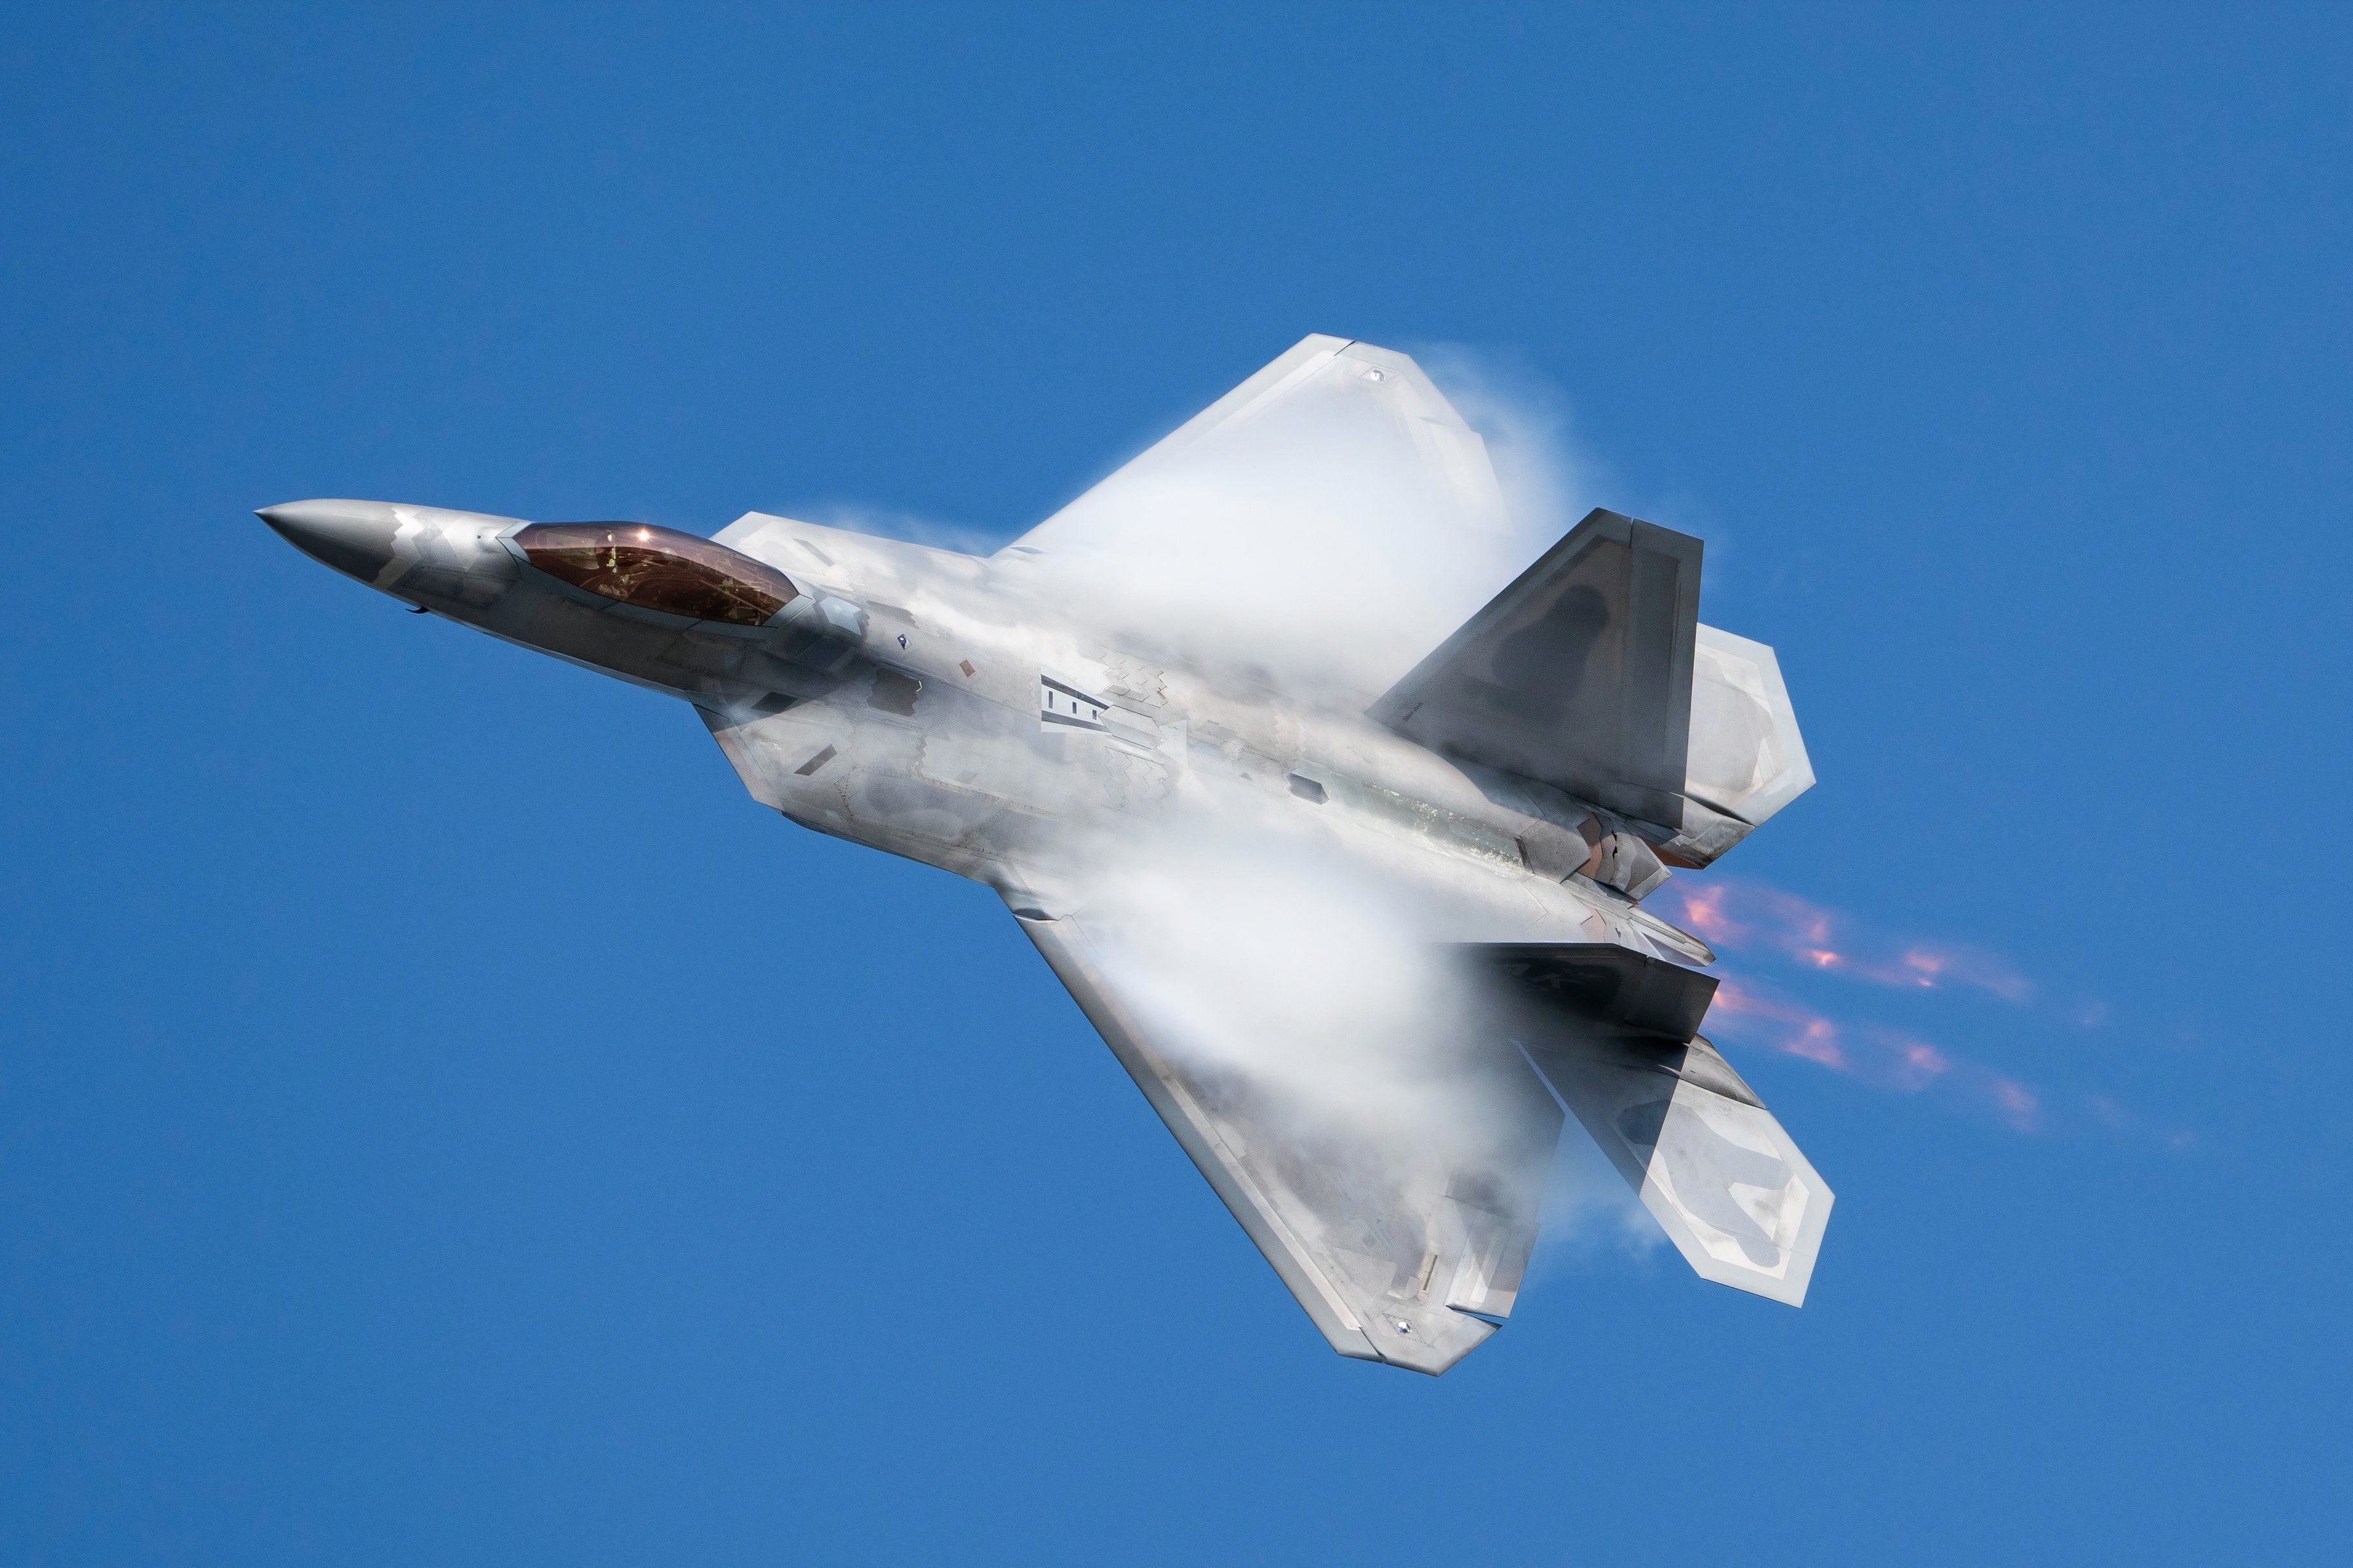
<point>1592,674</point>
<point>1578,675</point>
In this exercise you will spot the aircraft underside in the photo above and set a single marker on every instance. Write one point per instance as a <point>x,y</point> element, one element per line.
<point>1367,936</point>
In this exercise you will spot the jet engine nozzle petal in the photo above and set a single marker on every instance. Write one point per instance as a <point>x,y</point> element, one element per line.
<point>355,537</point>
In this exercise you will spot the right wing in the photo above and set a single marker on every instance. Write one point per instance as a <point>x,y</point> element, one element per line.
<point>1404,1239</point>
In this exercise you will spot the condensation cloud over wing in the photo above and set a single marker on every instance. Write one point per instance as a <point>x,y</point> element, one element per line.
<point>1333,518</point>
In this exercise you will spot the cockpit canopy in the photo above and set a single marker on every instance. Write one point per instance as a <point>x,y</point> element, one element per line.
<point>658,569</point>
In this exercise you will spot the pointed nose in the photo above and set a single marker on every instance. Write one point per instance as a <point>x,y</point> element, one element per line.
<point>352,536</point>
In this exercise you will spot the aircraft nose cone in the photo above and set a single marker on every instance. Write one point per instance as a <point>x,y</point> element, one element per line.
<point>352,536</point>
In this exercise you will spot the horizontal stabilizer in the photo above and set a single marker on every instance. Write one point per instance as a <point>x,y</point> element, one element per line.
<point>1715,1170</point>
<point>1747,758</point>
<point>1611,984</point>
<point>1578,675</point>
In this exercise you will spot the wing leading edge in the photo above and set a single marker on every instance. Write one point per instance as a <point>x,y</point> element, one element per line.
<point>1352,423</point>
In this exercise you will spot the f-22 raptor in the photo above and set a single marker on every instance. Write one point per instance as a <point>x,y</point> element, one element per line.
<point>1374,1084</point>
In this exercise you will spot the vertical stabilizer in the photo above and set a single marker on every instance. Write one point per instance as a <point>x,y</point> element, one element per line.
<point>1578,675</point>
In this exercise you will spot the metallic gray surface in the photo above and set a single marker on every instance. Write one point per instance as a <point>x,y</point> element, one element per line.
<point>954,709</point>
<point>1578,675</point>
<point>355,537</point>
<point>1715,1170</point>
<point>1404,1250</point>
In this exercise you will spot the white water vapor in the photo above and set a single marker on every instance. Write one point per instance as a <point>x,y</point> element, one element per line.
<point>1274,954</point>
<point>910,526</point>
<point>1330,540</point>
<point>1321,548</point>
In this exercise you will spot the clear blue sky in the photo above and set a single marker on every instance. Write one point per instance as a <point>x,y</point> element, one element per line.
<point>443,1121</point>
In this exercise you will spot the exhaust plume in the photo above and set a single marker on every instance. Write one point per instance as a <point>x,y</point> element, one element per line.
<point>1740,916</point>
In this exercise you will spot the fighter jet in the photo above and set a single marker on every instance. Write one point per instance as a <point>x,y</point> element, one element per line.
<point>1365,934</point>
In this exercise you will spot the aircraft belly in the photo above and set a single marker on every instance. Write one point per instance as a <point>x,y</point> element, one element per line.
<point>922,769</point>
<point>952,781</point>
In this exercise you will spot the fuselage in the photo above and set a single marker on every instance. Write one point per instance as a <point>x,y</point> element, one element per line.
<point>945,708</point>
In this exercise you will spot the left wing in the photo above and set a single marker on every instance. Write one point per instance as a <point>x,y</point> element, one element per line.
<point>1331,418</point>
<point>1328,518</point>
<point>1403,1237</point>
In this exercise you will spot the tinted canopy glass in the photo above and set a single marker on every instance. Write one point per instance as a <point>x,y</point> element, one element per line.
<point>658,569</point>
